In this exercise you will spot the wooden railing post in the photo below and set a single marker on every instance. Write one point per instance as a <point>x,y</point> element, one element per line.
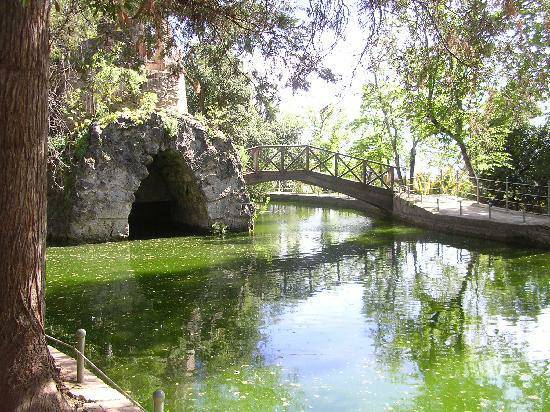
<point>158,401</point>
<point>336,164</point>
<point>80,345</point>
<point>506,193</point>
<point>256,159</point>
<point>307,158</point>
<point>282,166</point>
<point>364,172</point>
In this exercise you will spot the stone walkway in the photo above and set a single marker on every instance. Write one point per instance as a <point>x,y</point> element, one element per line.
<point>448,205</point>
<point>93,392</point>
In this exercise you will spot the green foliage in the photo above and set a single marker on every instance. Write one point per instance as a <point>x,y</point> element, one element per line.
<point>226,97</point>
<point>258,192</point>
<point>108,92</point>
<point>263,207</point>
<point>470,71</point>
<point>219,229</point>
<point>330,129</point>
<point>93,79</point>
<point>81,142</point>
<point>528,151</point>
<point>381,123</point>
<point>170,120</point>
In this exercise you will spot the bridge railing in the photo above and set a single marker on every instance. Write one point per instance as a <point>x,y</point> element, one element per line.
<point>283,158</point>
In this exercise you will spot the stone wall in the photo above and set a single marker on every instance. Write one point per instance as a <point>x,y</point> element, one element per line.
<point>525,234</point>
<point>202,174</point>
<point>169,88</point>
<point>328,201</point>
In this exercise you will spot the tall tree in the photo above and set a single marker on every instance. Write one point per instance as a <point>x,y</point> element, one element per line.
<point>382,121</point>
<point>455,57</point>
<point>27,375</point>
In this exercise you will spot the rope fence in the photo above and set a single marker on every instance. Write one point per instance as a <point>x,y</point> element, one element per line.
<point>81,358</point>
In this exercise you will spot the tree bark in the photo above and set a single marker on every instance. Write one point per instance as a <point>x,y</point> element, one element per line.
<point>466,158</point>
<point>396,156</point>
<point>27,374</point>
<point>412,162</point>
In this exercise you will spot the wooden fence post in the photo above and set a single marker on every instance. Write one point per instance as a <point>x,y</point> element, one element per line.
<point>364,172</point>
<point>307,158</point>
<point>80,345</point>
<point>506,192</point>
<point>336,164</point>
<point>282,166</point>
<point>158,401</point>
<point>256,160</point>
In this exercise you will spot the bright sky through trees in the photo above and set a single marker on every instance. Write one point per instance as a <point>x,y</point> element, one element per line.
<point>345,93</point>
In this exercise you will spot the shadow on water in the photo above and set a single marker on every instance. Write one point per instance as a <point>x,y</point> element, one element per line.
<point>318,309</point>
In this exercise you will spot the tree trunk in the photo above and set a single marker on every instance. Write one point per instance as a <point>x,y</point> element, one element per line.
<point>393,136</point>
<point>412,162</point>
<point>466,158</point>
<point>27,374</point>
<point>397,160</point>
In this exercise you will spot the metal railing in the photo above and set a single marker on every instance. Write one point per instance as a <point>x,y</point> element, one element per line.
<point>505,194</point>
<point>511,195</point>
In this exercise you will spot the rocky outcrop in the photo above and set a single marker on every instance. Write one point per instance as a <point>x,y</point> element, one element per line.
<point>198,176</point>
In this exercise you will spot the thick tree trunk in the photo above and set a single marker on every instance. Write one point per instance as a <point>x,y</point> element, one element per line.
<point>27,375</point>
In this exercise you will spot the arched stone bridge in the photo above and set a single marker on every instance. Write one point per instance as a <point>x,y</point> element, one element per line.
<point>362,179</point>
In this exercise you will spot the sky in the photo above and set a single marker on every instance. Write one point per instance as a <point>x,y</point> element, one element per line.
<point>345,94</point>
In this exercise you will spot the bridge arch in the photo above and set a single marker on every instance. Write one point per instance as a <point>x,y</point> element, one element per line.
<point>362,179</point>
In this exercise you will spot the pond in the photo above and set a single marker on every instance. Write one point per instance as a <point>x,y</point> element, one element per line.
<point>319,309</point>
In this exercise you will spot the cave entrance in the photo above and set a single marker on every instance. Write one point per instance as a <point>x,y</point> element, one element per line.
<point>168,201</point>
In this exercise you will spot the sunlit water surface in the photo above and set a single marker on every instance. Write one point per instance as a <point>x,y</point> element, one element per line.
<point>319,309</point>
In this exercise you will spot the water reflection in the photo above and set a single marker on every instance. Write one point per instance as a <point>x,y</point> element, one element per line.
<point>319,309</point>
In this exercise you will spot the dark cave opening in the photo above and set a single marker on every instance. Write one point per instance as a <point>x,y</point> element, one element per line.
<point>167,202</point>
<point>148,220</point>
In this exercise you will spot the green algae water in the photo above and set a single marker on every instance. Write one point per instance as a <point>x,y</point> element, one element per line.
<point>319,310</point>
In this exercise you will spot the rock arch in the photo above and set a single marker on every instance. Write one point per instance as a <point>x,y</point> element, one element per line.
<point>128,164</point>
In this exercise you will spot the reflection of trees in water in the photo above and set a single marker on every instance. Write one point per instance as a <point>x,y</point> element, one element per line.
<point>194,331</point>
<point>430,305</point>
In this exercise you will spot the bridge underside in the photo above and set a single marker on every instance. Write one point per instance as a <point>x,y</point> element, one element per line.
<point>381,198</point>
